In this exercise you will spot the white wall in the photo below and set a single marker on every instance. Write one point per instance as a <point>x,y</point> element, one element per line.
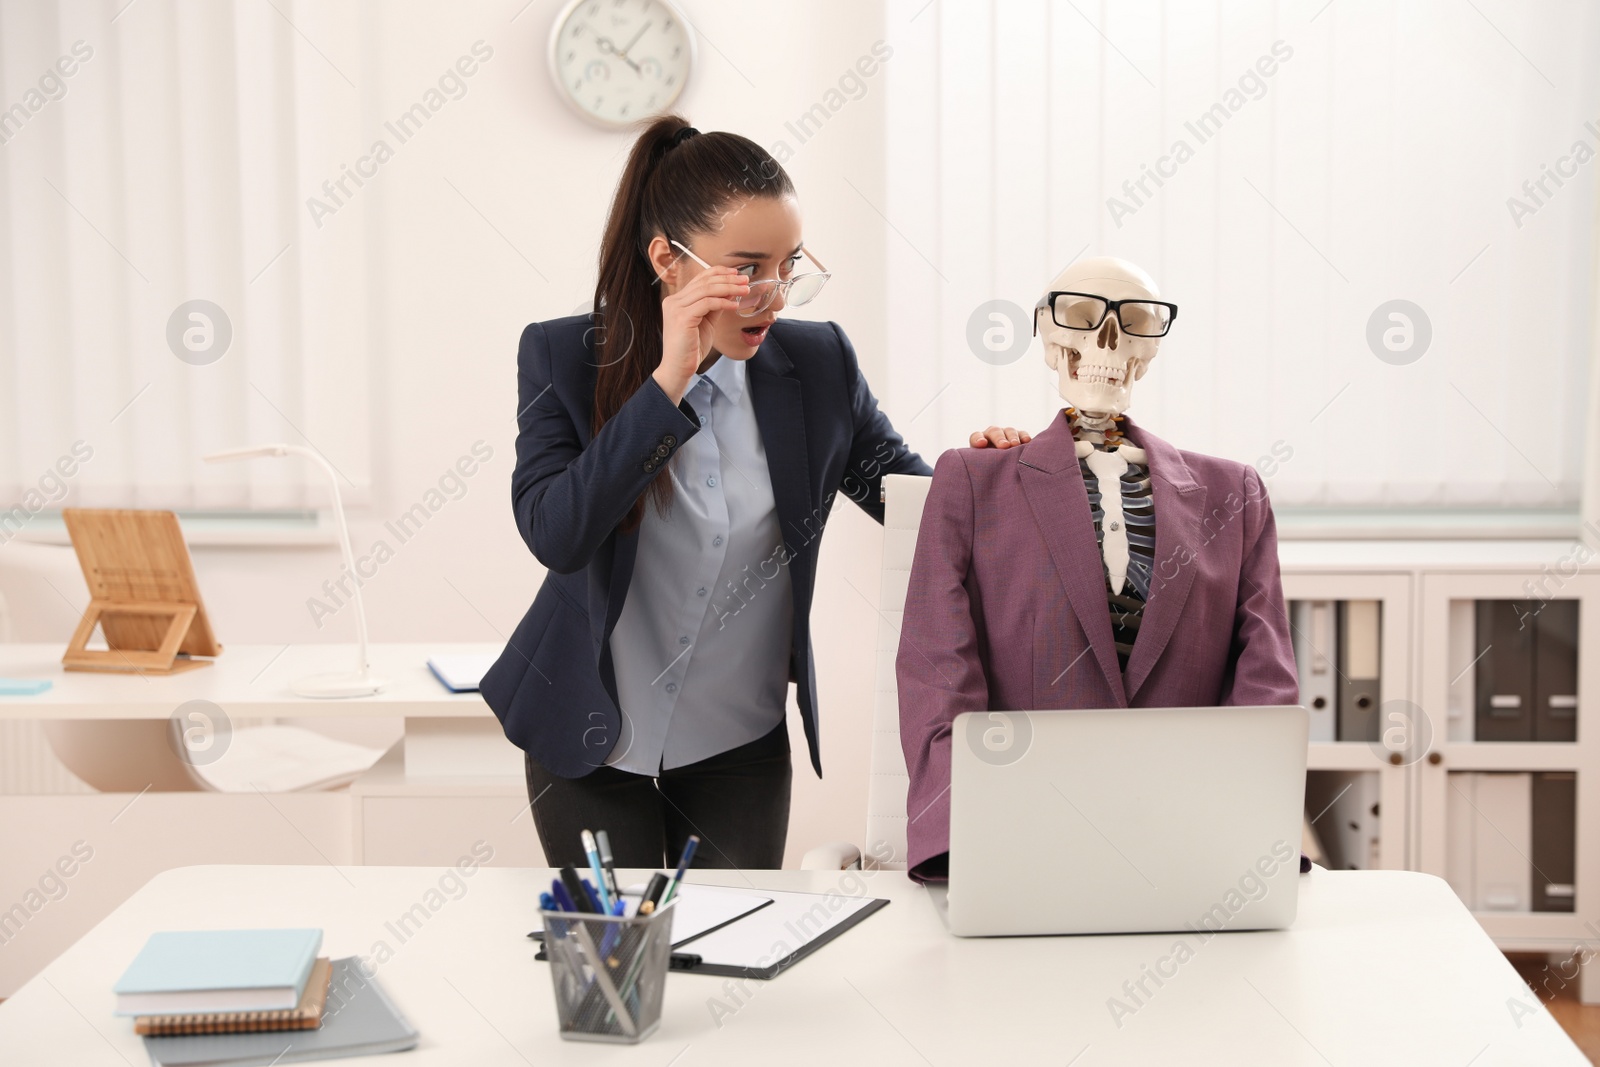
<point>452,288</point>
<point>1352,155</point>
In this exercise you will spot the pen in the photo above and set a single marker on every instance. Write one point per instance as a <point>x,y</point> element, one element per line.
<point>547,902</point>
<point>591,850</point>
<point>683,864</point>
<point>608,863</point>
<point>656,886</point>
<point>563,899</point>
<point>652,893</point>
<point>574,890</point>
<point>595,904</point>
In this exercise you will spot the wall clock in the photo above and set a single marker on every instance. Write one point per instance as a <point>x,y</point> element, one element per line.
<point>616,62</point>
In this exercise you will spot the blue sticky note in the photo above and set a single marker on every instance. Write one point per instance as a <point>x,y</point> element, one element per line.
<point>23,687</point>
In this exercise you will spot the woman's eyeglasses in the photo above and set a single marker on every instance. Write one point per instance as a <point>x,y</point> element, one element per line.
<point>801,289</point>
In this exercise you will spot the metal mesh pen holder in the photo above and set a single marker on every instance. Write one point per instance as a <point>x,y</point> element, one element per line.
<point>609,973</point>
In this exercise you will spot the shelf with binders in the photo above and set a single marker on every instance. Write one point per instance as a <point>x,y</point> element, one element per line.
<point>1351,634</point>
<point>1513,665</point>
<point>1504,659</point>
<point>1512,841</point>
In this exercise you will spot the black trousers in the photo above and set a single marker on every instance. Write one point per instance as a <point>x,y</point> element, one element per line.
<point>737,801</point>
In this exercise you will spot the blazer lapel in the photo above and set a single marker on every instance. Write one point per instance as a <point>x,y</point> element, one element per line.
<point>780,415</point>
<point>1180,506</point>
<point>1051,481</point>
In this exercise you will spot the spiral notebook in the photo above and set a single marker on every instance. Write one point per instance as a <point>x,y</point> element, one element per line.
<point>359,1020</point>
<point>306,1016</point>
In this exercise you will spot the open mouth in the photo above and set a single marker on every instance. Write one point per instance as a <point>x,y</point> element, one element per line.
<point>754,335</point>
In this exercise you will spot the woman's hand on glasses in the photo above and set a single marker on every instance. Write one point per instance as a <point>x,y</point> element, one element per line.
<point>999,437</point>
<point>688,317</point>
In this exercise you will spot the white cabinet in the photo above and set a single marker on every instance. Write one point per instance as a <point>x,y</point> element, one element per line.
<point>1346,779</point>
<point>1512,824</point>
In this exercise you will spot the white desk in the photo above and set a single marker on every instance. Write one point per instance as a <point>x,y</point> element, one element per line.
<point>246,680</point>
<point>1381,967</point>
<point>448,734</point>
<point>455,779</point>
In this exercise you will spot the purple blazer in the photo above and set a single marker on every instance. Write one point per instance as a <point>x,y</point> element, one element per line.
<point>1006,608</point>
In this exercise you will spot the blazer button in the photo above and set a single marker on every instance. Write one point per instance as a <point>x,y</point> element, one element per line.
<point>649,465</point>
<point>662,450</point>
<point>669,440</point>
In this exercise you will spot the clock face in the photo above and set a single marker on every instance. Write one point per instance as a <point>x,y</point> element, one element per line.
<point>619,61</point>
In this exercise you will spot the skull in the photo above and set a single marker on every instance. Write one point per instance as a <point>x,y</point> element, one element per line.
<point>1096,365</point>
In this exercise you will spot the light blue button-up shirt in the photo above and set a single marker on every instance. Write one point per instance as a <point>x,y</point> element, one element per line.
<point>701,650</point>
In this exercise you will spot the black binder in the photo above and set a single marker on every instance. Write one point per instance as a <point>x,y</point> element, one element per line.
<point>1555,671</point>
<point>1503,683</point>
<point>1554,854</point>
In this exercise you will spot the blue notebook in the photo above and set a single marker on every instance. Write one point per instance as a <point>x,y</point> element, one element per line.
<point>461,672</point>
<point>194,971</point>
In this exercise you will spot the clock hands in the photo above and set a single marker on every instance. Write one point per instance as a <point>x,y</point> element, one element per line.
<point>608,47</point>
<point>636,37</point>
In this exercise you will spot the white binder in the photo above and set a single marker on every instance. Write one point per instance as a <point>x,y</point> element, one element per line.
<point>1489,828</point>
<point>1314,653</point>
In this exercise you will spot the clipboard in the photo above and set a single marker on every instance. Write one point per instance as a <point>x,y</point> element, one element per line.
<point>142,594</point>
<point>743,947</point>
<point>801,922</point>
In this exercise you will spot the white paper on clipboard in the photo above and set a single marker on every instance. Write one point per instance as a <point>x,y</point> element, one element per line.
<point>699,908</point>
<point>782,930</point>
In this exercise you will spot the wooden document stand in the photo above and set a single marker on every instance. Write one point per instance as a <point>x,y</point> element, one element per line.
<point>142,594</point>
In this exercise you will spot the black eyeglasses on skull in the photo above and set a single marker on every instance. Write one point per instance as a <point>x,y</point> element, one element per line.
<point>1085,311</point>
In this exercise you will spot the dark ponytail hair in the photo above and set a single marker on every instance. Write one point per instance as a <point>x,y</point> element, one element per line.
<point>677,182</point>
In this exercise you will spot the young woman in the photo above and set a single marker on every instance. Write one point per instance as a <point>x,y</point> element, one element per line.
<point>678,454</point>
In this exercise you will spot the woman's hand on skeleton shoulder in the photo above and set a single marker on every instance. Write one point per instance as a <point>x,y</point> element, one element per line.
<point>1000,437</point>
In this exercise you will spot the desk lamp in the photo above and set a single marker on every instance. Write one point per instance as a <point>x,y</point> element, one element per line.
<point>361,681</point>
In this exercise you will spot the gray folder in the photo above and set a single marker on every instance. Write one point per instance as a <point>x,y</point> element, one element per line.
<point>1360,630</point>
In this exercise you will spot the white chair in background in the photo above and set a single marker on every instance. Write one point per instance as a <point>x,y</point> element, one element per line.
<point>903,497</point>
<point>42,596</point>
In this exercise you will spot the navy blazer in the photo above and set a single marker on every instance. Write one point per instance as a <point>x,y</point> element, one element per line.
<point>553,687</point>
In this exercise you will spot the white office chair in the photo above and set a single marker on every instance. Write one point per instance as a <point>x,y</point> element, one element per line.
<point>42,597</point>
<point>904,496</point>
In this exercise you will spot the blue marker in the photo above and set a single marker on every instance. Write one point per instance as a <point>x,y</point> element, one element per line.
<point>592,850</point>
<point>608,940</point>
<point>547,902</point>
<point>563,899</point>
<point>683,864</point>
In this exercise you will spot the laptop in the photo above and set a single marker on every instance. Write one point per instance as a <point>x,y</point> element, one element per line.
<point>1127,820</point>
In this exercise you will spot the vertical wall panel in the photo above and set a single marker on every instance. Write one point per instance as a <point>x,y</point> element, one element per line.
<point>1335,158</point>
